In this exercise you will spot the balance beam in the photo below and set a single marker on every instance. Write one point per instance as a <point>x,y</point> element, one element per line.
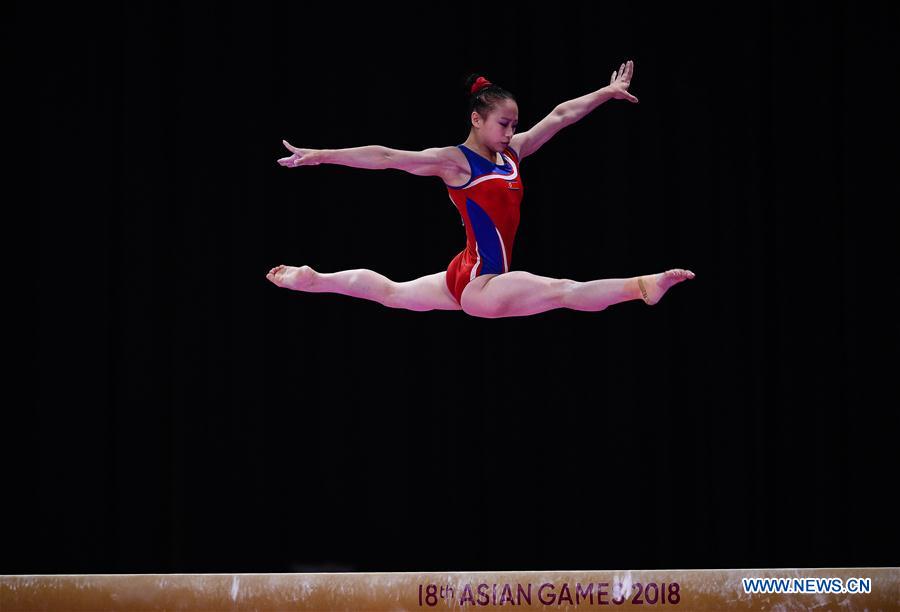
<point>874,589</point>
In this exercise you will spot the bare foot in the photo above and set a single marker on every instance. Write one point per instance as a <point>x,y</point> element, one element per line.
<point>290,277</point>
<point>653,286</point>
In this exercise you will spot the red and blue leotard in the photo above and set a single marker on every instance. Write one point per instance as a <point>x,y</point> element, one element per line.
<point>489,206</point>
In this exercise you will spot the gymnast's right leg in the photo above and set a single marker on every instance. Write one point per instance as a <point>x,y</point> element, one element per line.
<point>426,293</point>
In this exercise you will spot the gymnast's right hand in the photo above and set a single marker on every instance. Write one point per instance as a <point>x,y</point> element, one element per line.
<point>300,157</point>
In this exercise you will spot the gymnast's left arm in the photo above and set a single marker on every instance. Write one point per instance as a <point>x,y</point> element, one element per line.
<point>575,109</point>
<point>569,112</point>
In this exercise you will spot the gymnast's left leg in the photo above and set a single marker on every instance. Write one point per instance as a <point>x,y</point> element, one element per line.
<point>520,293</point>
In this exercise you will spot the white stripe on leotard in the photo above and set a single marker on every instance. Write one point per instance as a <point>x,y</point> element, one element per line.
<point>503,249</point>
<point>509,177</point>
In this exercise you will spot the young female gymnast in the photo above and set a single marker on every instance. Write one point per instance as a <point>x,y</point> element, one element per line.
<point>483,178</point>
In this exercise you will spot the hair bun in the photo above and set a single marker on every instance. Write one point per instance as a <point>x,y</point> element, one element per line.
<point>479,84</point>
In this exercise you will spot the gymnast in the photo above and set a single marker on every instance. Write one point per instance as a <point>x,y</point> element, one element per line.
<point>484,182</point>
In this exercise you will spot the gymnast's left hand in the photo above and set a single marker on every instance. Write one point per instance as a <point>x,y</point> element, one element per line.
<point>620,82</point>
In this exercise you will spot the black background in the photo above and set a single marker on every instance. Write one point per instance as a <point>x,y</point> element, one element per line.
<point>190,416</point>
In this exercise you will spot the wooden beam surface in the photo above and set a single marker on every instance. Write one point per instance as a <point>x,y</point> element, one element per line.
<point>519,590</point>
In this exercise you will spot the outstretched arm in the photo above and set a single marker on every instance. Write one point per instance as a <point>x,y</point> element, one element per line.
<point>372,157</point>
<point>617,89</point>
<point>571,111</point>
<point>435,161</point>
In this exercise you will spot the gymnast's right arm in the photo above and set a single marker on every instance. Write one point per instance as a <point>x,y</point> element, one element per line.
<point>430,162</point>
<point>373,157</point>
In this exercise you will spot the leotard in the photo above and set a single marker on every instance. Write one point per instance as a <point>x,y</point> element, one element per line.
<point>489,206</point>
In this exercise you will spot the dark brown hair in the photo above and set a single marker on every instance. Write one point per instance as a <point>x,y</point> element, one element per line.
<point>485,99</point>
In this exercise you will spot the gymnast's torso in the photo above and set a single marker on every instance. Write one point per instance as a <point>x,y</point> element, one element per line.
<point>487,196</point>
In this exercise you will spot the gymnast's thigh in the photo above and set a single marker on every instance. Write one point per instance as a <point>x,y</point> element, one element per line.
<point>444,297</point>
<point>469,296</point>
<point>426,293</point>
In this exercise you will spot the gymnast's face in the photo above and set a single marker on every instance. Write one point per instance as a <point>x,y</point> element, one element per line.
<point>501,124</point>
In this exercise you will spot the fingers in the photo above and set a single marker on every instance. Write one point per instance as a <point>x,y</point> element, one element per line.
<point>289,162</point>
<point>626,70</point>
<point>624,73</point>
<point>621,78</point>
<point>289,146</point>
